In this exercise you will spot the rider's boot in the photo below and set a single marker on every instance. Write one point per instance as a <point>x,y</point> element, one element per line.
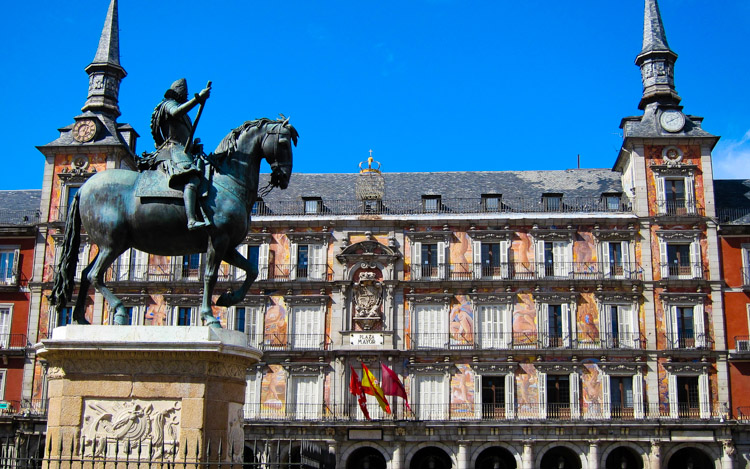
<point>190,195</point>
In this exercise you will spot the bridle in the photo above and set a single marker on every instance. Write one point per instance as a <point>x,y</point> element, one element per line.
<point>276,130</point>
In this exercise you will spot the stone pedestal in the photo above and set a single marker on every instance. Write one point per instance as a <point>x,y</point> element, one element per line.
<point>154,391</point>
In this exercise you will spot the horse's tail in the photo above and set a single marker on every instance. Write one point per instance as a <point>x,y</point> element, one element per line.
<point>62,289</point>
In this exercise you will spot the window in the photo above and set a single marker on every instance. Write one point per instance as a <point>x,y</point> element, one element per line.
<point>689,396</point>
<point>372,206</point>
<point>184,316</point>
<point>313,205</point>
<point>431,396</point>
<point>746,264</point>
<point>71,192</point>
<point>83,259</point>
<point>307,327</point>
<point>3,373</point>
<point>252,403</point>
<point>249,319</point>
<point>675,195</point>
<point>685,326</point>
<point>615,257</point>
<point>553,258</point>
<point>304,397</point>
<point>239,319</point>
<point>308,262</point>
<point>492,202</point>
<point>6,315</point>
<point>259,207</point>
<point>494,395</point>
<point>552,202</point>
<point>430,326</point>
<point>558,395</point>
<point>680,259</point>
<point>428,261</point>
<point>618,326</point>
<point>556,321</point>
<point>373,407</point>
<point>66,316</point>
<point>191,267</point>
<point>491,259</point>
<point>612,202</point>
<point>133,265</point>
<point>431,203</point>
<point>495,326</point>
<point>622,396</point>
<point>9,259</point>
<point>129,310</point>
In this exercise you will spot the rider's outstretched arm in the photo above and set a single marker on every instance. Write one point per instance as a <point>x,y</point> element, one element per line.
<point>199,98</point>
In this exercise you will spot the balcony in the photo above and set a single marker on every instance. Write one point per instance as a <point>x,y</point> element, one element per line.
<point>686,271</point>
<point>13,344</point>
<point>688,340</point>
<point>34,407</point>
<point>496,412</point>
<point>550,271</point>
<point>180,273</point>
<point>299,273</point>
<point>275,208</point>
<point>678,208</point>
<point>19,217</point>
<point>523,341</point>
<point>289,342</point>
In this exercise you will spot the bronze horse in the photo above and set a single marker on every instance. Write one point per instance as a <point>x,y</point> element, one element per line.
<point>115,219</point>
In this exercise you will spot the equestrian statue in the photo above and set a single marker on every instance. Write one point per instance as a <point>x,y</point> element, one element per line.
<point>157,209</point>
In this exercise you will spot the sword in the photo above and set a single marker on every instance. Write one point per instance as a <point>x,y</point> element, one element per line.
<point>195,124</point>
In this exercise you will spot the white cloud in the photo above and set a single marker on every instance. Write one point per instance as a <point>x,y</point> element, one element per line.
<point>732,158</point>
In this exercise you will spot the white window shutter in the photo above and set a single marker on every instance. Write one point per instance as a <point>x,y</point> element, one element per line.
<point>661,196</point>
<point>635,326</point>
<point>83,260</point>
<point>627,269</point>
<point>539,257</point>
<point>625,324</point>
<point>663,258</point>
<point>605,259</point>
<point>695,259</point>
<point>567,335</point>
<point>140,264</point>
<point>504,258</point>
<point>316,262</point>
<point>251,397</point>
<point>704,396</point>
<point>237,273</point>
<point>476,254</point>
<point>293,261</point>
<point>699,326</point>
<point>605,411</point>
<point>477,396</point>
<point>605,325</point>
<point>638,396</point>
<point>542,325</point>
<point>263,255</point>
<point>416,260</point>
<point>690,194</point>
<point>673,339</point>
<point>575,403</point>
<point>541,385</point>
<point>506,331</point>
<point>510,395</point>
<point>673,404</point>
<point>123,271</point>
<point>14,276</point>
<point>562,267</point>
<point>5,319</point>
<point>442,247</point>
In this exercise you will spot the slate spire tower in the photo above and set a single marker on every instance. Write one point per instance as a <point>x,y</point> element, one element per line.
<point>656,60</point>
<point>105,72</point>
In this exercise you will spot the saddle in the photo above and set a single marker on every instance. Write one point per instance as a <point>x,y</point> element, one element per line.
<point>152,181</point>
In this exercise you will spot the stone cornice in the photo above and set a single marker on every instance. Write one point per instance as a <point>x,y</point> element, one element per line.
<point>422,236</point>
<point>439,367</point>
<point>615,234</point>
<point>683,297</point>
<point>621,368</point>
<point>308,237</point>
<point>258,238</point>
<point>557,367</point>
<point>490,235</point>
<point>499,368</point>
<point>298,300</point>
<point>555,297</point>
<point>368,251</point>
<point>304,367</point>
<point>492,297</point>
<point>674,170</point>
<point>617,297</point>
<point>677,235</point>
<point>423,298</point>
<point>687,368</point>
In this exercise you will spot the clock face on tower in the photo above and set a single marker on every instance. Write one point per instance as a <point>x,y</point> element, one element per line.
<point>84,130</point>
<point>672,121</point>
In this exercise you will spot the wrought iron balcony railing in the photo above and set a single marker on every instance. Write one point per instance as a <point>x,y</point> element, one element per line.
<point>738,216</point>
<point>14,342</point>
<point>678,208</point>
<point>523,341</point>
<point>175,273</point>
<point>688,340</point>
<point>688,271</point>
<point>506,412</point>
<point>551,271</point>
<point>33,407</point>
<point>290,342</point>
<point>452,206</point>
<point>19,217</point>
<point>742,344</point>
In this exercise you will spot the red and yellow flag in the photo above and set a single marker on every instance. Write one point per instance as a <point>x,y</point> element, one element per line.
<point>370,386</point>
<point>355,387</point>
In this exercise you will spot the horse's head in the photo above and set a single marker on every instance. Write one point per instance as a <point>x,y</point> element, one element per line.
<point>277,149</point>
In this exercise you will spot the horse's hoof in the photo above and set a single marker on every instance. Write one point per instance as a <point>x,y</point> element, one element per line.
<point>121,319</point>
<point>80,322</point>
<point>225,300</point>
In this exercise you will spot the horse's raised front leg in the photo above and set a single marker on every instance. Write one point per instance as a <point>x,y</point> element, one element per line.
<point>97,269</point>
<point>233,257</point>
<point>213,260</point>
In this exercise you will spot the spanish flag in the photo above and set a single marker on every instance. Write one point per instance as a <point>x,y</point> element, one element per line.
<point>355,387</point>
<point>370,386</point>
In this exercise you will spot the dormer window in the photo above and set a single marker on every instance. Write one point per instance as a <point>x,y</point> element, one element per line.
<point>313,205</point>
<point>431,203</point>
<point>552,202</point>
<point>259,208</point>
<point>492,202</point>
<point>612,202</point>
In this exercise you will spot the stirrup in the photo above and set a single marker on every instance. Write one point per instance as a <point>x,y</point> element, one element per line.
<point>196,225</point>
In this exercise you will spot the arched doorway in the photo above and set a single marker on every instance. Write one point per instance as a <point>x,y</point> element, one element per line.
<point>623,458</point>
<point>366,458</point>
<point>690,458</point>
<point>560,457</point>
<point>431,458</point>
<point>496,458</point>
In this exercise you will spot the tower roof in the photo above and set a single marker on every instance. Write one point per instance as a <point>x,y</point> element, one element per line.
<point>105,72</point>
<point>656,60</point>
<point>654,37</point>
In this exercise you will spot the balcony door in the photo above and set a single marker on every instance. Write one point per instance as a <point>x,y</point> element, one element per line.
<point>307,328</point>
<point>304,398</point>
<point>430,328</point>
<point>495,326</point>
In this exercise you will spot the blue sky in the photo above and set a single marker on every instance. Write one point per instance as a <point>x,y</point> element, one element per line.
<point>436,85</point>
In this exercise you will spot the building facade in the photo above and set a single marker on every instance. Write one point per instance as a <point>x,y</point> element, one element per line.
<point>567,319</point>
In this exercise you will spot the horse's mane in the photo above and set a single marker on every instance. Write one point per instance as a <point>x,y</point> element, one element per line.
<point>229,144</point>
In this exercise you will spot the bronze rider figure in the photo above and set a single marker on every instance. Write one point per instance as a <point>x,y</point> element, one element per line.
<point>172,129</point>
